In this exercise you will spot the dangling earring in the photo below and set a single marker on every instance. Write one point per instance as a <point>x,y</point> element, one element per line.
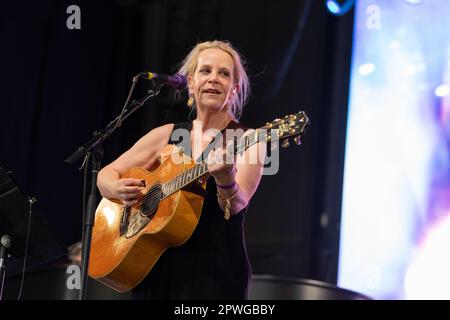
<point>190,102</point>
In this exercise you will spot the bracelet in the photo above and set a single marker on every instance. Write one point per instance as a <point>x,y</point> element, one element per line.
<point>228,186</point>
<point>227,207</point>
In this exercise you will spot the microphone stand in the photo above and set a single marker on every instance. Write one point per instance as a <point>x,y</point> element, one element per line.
<point>5,243</point>
<point>92,150</point>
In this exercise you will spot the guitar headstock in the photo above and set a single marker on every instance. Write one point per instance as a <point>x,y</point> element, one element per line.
<point>293,125</point>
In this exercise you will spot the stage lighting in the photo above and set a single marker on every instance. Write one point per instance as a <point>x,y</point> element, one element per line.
<point>339,7</point>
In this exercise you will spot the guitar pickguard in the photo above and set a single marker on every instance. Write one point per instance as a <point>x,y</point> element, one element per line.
<point>138,219</point>
<point>136,223</point>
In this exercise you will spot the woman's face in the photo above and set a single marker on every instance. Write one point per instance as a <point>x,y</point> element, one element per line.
<point>212,84</point>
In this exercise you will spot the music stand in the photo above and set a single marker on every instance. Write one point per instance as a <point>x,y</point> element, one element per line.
<point>15,225</point>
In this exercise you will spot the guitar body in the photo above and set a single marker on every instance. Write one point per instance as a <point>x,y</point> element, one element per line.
<point>122,254</point>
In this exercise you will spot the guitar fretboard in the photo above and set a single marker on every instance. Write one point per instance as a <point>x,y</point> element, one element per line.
<point>200,169</point>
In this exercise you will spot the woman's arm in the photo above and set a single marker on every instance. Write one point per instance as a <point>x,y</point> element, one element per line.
<point>240,179</point>
<point>142,154</point>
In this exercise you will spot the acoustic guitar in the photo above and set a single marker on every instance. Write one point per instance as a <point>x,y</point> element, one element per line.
<point>128,241</point>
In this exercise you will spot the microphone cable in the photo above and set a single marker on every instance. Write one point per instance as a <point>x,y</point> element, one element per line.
<point>30,201</point>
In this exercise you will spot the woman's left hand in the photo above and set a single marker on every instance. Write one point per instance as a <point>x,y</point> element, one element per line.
<point>221,166</point>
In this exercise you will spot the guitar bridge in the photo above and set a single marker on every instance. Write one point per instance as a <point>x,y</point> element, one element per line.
<point>123,227</point>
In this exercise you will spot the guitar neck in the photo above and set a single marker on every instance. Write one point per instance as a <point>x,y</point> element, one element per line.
<point>279,129</point>
<point>201,169</point>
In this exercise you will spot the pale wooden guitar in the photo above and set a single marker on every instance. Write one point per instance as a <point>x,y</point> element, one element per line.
<point>127,242</point>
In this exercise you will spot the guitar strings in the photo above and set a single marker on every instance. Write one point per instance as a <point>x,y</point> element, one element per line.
<point>188,173</point>
<point>154,194</point>
<point>157,191</point>
<point>191,171</point>
<point>243,142</point>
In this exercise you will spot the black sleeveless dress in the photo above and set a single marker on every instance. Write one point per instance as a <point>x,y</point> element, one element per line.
<point>212,264</point>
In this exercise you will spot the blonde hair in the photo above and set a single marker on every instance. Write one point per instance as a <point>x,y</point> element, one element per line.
<point>240,77</point>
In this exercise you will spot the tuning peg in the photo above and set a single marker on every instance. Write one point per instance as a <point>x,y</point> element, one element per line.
<point>285,143</point>
<point>298,140</point>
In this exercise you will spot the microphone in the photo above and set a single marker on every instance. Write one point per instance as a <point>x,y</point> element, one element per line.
<point>177,81</point>
<point>6,241</point>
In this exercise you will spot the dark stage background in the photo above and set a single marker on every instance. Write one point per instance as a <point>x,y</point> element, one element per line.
<point>58,85</point>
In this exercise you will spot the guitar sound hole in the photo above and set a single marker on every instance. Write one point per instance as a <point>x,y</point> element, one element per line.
<point>151,201</point>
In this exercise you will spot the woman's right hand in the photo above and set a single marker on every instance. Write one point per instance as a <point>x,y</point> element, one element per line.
<point>128,190</point>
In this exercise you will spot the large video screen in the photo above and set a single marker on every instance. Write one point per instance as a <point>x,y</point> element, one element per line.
<point>395,224</point>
